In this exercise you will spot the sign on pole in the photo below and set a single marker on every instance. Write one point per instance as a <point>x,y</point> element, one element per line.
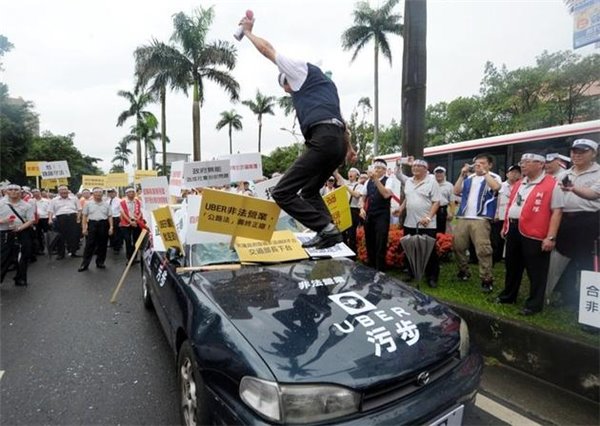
<point>92,181</point>
<point>283,246</point>
<point>586,23</point>
<point>32,168</point>
<point>264,189</point>
<point>53,183</point>
<point>226,213</point>
<point>141,174</point>
<point>155,193</point>
<point>192,235</point>
<point>176,180</point>
<point>339,207</point>
<point>54,169</point>
<point>244,167</point>
<point>589,298</point>
<point>117,179</point>
<point>166,228</point>
<point>201,174</point>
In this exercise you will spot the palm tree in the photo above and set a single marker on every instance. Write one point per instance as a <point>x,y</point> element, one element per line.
<point>156,67</point>
<point>373,24</point>
<point>138,100</point>
<point>122,153</point>
<point>146,131</point>
<point>261,105</point>
<point>287,105</point>
<point>232,120</point>
<point>194,60</point>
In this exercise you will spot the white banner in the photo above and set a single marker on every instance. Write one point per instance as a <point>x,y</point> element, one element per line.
<point>157,242</point>
<point>155,193</point>
<point>176,180</point>
<point>244,167</point>
<point>54,169</point>
<point>200,174</point>
<point>589,298</point>
<point>263,189</point>
<point>192,235</point>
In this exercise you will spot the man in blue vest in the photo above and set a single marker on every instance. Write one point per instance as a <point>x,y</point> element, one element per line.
<point>317,105</point>
<point>477,188</point>
<point>375,212</point>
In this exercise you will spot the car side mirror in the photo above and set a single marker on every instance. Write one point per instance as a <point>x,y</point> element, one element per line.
<point>174,256</point>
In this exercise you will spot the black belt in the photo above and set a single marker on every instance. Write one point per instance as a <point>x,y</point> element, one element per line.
<point>100,220</point>
<point>443,208</point>
<point>513,221</point>
<point>333,121</point>
<point>578,214</point>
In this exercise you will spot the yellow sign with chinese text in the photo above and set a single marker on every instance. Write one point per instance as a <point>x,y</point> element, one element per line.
<point>141,174</point>
<point>238,215</point>
<point>339,207</point>
<point>32,168</point>
<point>117,179</point>
<point>282,247</point>
<point>53,183</point>
<point>92,181</point>
<point>166,228</point>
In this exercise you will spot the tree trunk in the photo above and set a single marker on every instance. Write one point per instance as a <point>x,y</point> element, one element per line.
<point>163,127</point>
<point>414,77</point>
<point>259,131</point>
<point>376,104</point>
<point>230,141</point>
<point>138,153</point>
<point>145,154</point>
<point>196,121</point>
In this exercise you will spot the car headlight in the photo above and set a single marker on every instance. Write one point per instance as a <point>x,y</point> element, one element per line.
<point>297,403</point>
<point>463,347</point>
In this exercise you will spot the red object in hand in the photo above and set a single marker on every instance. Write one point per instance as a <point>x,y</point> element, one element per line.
<point>12,218</point>
<point>249,14</point>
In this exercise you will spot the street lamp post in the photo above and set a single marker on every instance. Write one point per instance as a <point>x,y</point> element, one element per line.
<point>295,135</point>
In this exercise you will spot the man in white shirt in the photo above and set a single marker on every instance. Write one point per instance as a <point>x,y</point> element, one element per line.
<point>317,106</point>
<point>64,214</point>
<point>114,202</point>
<point>41,227</point>
<point>444,212</point>
<point>355,189</point>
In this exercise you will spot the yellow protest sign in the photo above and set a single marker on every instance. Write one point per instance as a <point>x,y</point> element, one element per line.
<point>339,207</point>
<point>282,247</point>
<point>166,228</point>
<point>53,183</point>
<point>237,215</point>
<point>117,179</point>
<point>141,174</point>
<point>32,168</point>
<point>92,181</point>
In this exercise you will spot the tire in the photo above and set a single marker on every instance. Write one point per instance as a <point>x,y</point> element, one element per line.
<point>192,393</point>
<point>146,299</point>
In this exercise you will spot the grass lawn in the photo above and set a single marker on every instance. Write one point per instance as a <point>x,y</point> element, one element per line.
<point>468,293</point>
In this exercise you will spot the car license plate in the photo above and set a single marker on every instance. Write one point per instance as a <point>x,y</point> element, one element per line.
<point>453,418</point>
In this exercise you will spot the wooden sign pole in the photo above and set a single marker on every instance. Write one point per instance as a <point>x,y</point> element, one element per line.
<point>138,243</point>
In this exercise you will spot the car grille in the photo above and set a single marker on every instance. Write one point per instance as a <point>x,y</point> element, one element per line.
<point>392,392</point>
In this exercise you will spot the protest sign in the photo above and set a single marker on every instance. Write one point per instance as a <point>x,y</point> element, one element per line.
<point>192,235</point>
<point>92,181</point>
<point>201,174</point>
<point>589,298</point>
<point>263,189</point>
<point>244,167</point>
<point>176,180</point>
<point>114,180</point>
<point>54,169</point>
<point>166,228</point>
<point>155,192</point>
<point>337,203</point>
<point>338,250</point>
<point>238,215</point>
<point>142,174</point>
<point>32,168</point>
<point>53,183</point>
<point>283,246</point>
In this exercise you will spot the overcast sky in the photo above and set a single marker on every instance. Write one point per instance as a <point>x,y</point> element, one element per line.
<point>71,57</point>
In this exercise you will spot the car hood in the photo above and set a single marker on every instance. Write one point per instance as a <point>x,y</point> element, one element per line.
<point>334,321</point>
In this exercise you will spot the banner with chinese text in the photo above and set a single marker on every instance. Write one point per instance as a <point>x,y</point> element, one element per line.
<point>283,246</point>
<point>339,207</point>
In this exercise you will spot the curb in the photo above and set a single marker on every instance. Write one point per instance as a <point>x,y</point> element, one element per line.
<point>565,362</point>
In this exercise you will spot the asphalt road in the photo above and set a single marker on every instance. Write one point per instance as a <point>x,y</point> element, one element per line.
<point>69,356</point>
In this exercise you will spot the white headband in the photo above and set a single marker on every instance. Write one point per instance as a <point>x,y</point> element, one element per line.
<point>533,157</point>
<point>379,164</point>
<point>419,163</point>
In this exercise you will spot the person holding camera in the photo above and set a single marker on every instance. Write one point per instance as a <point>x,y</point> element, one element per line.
<point>477,186</point>
<point>132,221</point>
<point>580,224</point>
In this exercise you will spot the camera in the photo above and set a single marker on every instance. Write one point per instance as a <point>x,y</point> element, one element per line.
<point>567,182</point>
<point>471,168</point>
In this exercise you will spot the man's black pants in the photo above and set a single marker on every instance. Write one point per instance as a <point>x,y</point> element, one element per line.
<point>116,239</point>
<point>441,219</point>
<point>130,235</point>
<point>377,228</point>
<point>68,229</point>
<point>41,227</point>
<point>325,151</point>
<point>96,242</point>
<point>525,254</point>
<point>350,233</point>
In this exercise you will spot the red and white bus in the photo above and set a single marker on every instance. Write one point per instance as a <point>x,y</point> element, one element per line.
<point>505,149</point>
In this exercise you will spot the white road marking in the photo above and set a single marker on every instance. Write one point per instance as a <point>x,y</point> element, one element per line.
<point>503,413</point>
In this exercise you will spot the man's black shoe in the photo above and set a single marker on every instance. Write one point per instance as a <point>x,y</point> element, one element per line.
<point>82,268</point>
<point>502,301</point>
<point>526,312</point>
<point>60,257</point>
<point>324,239</point>
<point>432,283</point>
<point>463,275</point>
<point>74,255</point>
<point>487,286</point>
<point>20,283</point>
<point>101,266</point>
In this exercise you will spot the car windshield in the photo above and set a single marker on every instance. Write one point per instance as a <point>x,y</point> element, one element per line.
<point>219,249</point>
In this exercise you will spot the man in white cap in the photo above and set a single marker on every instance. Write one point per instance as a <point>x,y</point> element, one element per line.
<point>556,165</point>
<point>580,224</point>
<point>530,228</point>
<point>16,219</point>
<point>354,188</point>
<point>443,215</point>
<point>132,221</point>
<point>96,226</point>
<point>317,106</point>
<point>64,214</point>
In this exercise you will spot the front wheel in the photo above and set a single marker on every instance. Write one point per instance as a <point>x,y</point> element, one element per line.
<point>146,299</point>
<point>193,407</point>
